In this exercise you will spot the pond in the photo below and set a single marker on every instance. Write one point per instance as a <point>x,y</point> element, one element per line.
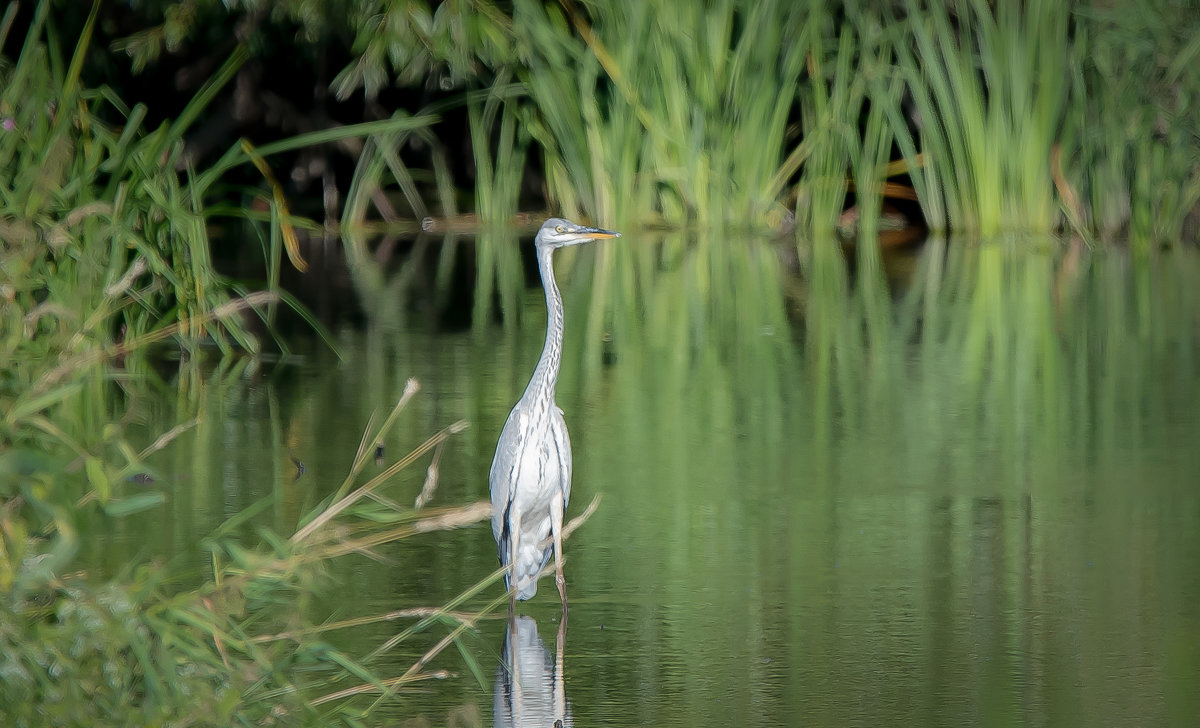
<point>956,487</point>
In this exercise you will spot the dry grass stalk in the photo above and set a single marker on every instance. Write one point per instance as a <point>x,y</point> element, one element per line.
<point>429,487</point>
<point>330,513</point>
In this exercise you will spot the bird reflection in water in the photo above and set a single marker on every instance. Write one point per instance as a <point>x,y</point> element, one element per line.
<point>529,688</point>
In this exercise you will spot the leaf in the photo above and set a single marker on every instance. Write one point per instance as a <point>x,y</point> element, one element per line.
<point>98,478</point>
<point>122,507</point>
<point>472,663</point>
<point>354,668</point>
<point>23,409</point>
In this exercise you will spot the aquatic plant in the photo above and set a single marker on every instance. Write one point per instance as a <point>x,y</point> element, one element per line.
<point>1032,115</point>
<point>98,226</point>
<point>244,645</point>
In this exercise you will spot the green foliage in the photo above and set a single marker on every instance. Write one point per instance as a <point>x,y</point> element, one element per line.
<point>101,236</point>
<point>849,80</point>
<point>1132,143</point>
<point>105,252</point>
<point>411,41</point>
<point>454,43</point>
<point>696,110</point>
<point>1009,116</point>
<point>244,645</point>
<point>94,656</point>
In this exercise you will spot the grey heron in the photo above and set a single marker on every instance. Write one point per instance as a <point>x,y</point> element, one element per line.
<point>531,473</point>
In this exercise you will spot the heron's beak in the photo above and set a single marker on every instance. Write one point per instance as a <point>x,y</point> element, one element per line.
<point>598,233</point>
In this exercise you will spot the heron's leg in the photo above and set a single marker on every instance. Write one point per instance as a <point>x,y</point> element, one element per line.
<point>556,524</point>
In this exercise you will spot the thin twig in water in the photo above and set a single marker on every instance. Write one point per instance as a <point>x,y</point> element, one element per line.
<point>166,438</point>
<point>431,479</point>
<point>299,634</point>
<point>390,684</point>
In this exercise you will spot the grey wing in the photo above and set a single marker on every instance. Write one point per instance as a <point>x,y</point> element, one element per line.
<point>500,479</point>
<point>562,442</point>
<point>511,450</point>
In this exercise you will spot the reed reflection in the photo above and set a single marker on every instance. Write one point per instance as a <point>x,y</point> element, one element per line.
<point>529,689</point>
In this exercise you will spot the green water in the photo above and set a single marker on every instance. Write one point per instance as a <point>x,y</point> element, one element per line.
<point>957,489</point>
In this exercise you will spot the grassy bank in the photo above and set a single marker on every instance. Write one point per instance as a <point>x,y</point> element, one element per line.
<point>105,262</point>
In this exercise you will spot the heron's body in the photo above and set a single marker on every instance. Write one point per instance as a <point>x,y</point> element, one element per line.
<point>537,465</point>
<point>531,474</point>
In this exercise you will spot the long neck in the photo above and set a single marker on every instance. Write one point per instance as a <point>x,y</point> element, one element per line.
<point>545,376</point>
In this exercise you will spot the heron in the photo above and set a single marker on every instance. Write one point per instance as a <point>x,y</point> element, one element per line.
<point>530,477</point>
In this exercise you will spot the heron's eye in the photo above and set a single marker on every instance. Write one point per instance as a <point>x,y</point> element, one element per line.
<point>559,229</point>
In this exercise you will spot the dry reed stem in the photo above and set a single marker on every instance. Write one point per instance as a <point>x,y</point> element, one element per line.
<point>349,500</point>
<point>411,387</point>
<point>579,520</point>
<point>457,518</point>
<point>478,587</point>
<point>429,487</point>
<point>132,344</point>
<point>390,684</point>
<point>442,643</point>
<point>126,281</point>
<point>449,519</point>
<point>165,439</point>
<point>386,502</point>
<point>392,616</point>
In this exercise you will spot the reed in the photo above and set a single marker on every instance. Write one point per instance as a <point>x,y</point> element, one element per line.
<point>98,225</point>
<point>990,93</point>
<point>1025,116</point>
<point>695,111</point>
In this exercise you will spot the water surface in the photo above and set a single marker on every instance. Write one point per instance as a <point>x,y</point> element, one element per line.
<point>957,491</point>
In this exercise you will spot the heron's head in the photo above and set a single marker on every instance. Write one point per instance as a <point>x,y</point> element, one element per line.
<point>559,233</point>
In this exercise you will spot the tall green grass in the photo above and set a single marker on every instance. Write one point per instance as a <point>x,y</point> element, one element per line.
<point>742,114</point>
<point>979,99</point>
<point>92,212</point>
<point>105,253</point>
<point>104,238</point>
<point>693,112</point>
<point>989,88</point>
<point>1023,116</point>
<point>847,142</point>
